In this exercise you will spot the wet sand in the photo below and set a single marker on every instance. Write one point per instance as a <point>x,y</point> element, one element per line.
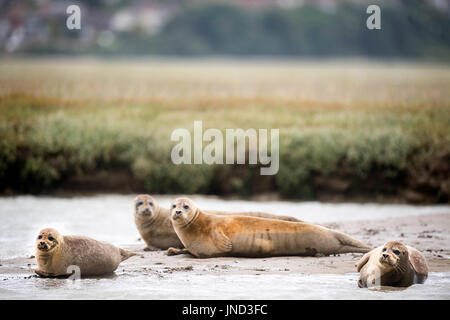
<point>428,233</point>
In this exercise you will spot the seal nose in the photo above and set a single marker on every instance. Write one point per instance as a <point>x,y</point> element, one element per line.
<point>178,211</point>
<point>42,243</point>
<point>385,255</point>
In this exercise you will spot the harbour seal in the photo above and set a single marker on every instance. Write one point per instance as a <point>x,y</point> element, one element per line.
<point>206,235</point>
<point>392,264</point>
<point>155,226</point>
<point>55,253</point>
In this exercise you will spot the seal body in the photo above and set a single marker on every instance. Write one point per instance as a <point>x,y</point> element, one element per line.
<point>55,253</point>
<point>392,264</point>
<point>206,235</point>
<point>156,229</point>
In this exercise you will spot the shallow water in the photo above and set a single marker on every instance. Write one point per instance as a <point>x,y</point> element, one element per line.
<point>198,286</point>
<point>109,218</point>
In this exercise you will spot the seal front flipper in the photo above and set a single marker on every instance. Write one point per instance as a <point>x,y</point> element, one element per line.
<point>222,242</point>
<point>363,261</point>
<point>176,251</point>
<point>125,254</point>
<point>44,274</point>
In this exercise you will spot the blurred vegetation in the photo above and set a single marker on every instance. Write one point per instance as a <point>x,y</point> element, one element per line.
<point>348,129</point>
<point>410,29</point>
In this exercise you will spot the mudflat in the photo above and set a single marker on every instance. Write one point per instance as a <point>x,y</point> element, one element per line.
<point>428,233</point>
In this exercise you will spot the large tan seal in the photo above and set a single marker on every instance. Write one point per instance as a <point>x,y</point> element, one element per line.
<point>392,264</point>
<point>55,253</point>
<point>206,235</point>
<point>155,226</point>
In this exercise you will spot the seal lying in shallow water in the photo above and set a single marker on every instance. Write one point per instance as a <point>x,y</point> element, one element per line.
<point>155,227</point>
<point>55,253</point>
<point>393,264</point>
<point>206,235</point>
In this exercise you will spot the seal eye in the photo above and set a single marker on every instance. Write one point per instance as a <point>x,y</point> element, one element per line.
<point>173,206</point>
<point>39,237</point>
<point>51,238</point>
<point>139,204</point>
<point>396,252</point>
<point>384,249</point>
<point>151,204</point>
<point>185,207</point>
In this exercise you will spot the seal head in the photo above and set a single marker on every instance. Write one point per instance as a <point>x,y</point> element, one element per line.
<point>145,206</point>
<point>183,211</point>
<point>48,240</point>
<point>393,255</point>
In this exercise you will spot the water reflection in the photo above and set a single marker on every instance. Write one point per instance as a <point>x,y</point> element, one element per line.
<point>198,286</point>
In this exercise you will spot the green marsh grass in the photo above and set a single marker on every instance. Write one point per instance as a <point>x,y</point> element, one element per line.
<point>379,128</point>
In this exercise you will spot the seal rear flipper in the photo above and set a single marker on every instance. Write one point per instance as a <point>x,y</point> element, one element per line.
<point>361,263</point>
<point>222,242</point>
<point>351,245</point>
<point>125,254</point>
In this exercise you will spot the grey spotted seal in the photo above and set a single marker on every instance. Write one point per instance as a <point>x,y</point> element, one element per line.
<point>55,253</point>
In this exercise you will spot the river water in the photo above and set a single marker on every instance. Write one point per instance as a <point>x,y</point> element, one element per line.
<point>109,218</point>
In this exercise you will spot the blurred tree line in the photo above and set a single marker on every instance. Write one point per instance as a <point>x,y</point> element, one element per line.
<point>409,29</point>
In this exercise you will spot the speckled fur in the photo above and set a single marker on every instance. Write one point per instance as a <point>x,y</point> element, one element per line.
<point>91,256</point>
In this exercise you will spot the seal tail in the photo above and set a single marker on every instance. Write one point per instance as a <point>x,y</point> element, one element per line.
<point>126,254</point>
<point>350,244</point>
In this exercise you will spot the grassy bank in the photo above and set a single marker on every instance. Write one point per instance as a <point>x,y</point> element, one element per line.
<point>347,129</point>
